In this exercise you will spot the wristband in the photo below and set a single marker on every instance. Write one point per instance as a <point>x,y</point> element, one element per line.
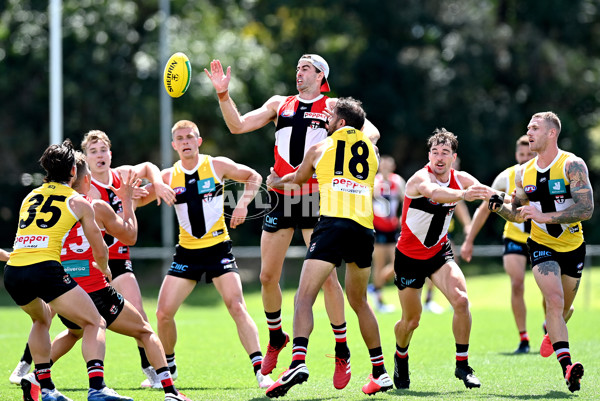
<point>223,96</point>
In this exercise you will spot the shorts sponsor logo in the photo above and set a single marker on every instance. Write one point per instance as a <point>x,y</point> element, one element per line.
<point>179,190</point>
<point>580,267</point>
<point>178,267</point>
<point>406,282</point>
<point>541,254</point>
<point>350,187</point>
<point>312,246</point>
<point>530,189</point>
<point>228,266</point>
<point>31,241</point>
<point>128,265</point>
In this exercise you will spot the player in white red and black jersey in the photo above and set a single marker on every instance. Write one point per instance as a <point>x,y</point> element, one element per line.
<point>423,250</point>
<point>299,123</point>
<point>97,147</point>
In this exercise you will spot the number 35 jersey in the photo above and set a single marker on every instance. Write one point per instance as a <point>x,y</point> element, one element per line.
<point>199,205</point>
<point>45,219</point>
<point>346,174</point>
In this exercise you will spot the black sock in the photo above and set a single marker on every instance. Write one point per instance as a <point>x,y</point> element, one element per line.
<point>95,368</point>
<point>276,337</point>
<point>341,344</point>
<point>563,354</point>
<point>27,358</point>
<point>42,374</point>
<point>171,362</point>
<point>143,358</point>
<point>376,355</point>
<point>462,355</point>
<point>299,351</point>
<point>256,359</point>
<point>168,387</point>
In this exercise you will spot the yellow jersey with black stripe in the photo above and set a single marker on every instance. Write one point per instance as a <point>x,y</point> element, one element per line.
<point>518,232</point>
<point>346,174</point>
<point>45,220</point>
<point>199,204</point>
<point>549,191</point>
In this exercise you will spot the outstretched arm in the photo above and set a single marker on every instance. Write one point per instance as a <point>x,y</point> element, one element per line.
<point>152,173</point>
<point>237,123</point>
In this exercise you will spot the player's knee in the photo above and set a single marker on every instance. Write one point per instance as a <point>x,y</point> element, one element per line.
<point>268,278</point>
<point>554,303</point>
<point>460,302</point>
<point>163,316</point>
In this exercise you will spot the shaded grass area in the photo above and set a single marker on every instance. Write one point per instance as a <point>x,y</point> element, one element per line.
<point>213,365</point>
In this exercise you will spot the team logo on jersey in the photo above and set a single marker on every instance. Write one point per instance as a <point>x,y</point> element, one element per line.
<point>559,199</point>
<point>543,179</point>
<point>288,113</point>
<point>314,124</point>
<point>179,190</point>
<point>207,185</point>
<point>557,187</point>
<point>530,189</point>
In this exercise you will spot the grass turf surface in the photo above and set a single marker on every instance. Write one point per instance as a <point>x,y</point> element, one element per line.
<point>213,365</point>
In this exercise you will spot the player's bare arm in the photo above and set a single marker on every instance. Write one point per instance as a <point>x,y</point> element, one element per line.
<point>84,211</point>
<point>124,228</point>
<point>429,188</point>
<point>237,123</point>
<point>511,211</point>
<point>229,169</point>
<point>152,173</point>
<point>4,256</point>
<point>306,169</point>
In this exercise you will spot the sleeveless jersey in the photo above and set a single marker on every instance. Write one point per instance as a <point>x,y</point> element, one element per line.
<point>518,232</point>
<point>76,257</point>
<point>388,195</point>
<point>424,227</point>
<point>45,218</point>
<point>116,249</point>
<point>548,190</point>
<point>300,124</point>
<point>346,172</point>
<point>199,205</point>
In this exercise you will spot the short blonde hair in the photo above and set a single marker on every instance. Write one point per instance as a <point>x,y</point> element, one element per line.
<point>550,118</point>
<point>94,136</point>
<point>185,124</point>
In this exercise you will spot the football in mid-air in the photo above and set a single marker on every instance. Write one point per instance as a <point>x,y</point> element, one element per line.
<point>177,75</point>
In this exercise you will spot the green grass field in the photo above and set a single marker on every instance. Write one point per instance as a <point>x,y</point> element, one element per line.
<point>213,365</point>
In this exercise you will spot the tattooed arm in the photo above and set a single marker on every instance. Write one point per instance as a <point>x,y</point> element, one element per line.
<point>581,192</point>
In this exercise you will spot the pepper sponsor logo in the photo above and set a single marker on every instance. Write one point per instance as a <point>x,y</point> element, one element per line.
<point>350,186</point>
<point>318,116</point>
<point>31,241</point>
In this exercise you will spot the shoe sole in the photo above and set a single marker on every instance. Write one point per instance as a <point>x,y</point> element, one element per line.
<point>467,384</point>
<point>26,387</point>
<point>577,374</point>
<point>282,390</point>
<point>381,390</point>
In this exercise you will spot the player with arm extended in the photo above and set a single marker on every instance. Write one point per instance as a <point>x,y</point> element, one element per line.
<point>553,191</point>
<point>204,246</point>
<point>345,164</point>
<point>97,147</point>
<point>515,236</point>
<point>423,250</point>
<point>36,280</point>
<point>299,123</point>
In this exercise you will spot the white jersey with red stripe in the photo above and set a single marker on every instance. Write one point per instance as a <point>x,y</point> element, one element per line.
<point>388,195</point>
<point>300,124</point>
<point>425,223</point>
<point>116,249</point>
<point>76,257</point>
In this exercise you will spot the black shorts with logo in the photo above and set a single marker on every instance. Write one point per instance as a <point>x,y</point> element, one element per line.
<point>412,272</point>
<point>108,302</point>
<point>193,263</point>
<point>46,280</point>
<point>287,211</point>
<point>336,239</point>
<point>120,266</point>
<point>571,263</point>
<point>514,247</point>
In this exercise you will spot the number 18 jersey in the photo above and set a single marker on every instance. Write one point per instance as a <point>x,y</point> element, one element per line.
<point>346,174</point>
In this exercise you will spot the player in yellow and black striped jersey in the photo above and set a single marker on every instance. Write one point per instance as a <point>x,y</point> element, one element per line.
<point>204,247</point>
<point>554,192</point>
<point>515,236</point>
<point>35,278</point>
<point>345,164</point>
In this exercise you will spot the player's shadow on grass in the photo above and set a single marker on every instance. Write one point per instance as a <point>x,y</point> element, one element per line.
<point>423,394</point>
<point>550,395</point>
<point>512,354</point>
